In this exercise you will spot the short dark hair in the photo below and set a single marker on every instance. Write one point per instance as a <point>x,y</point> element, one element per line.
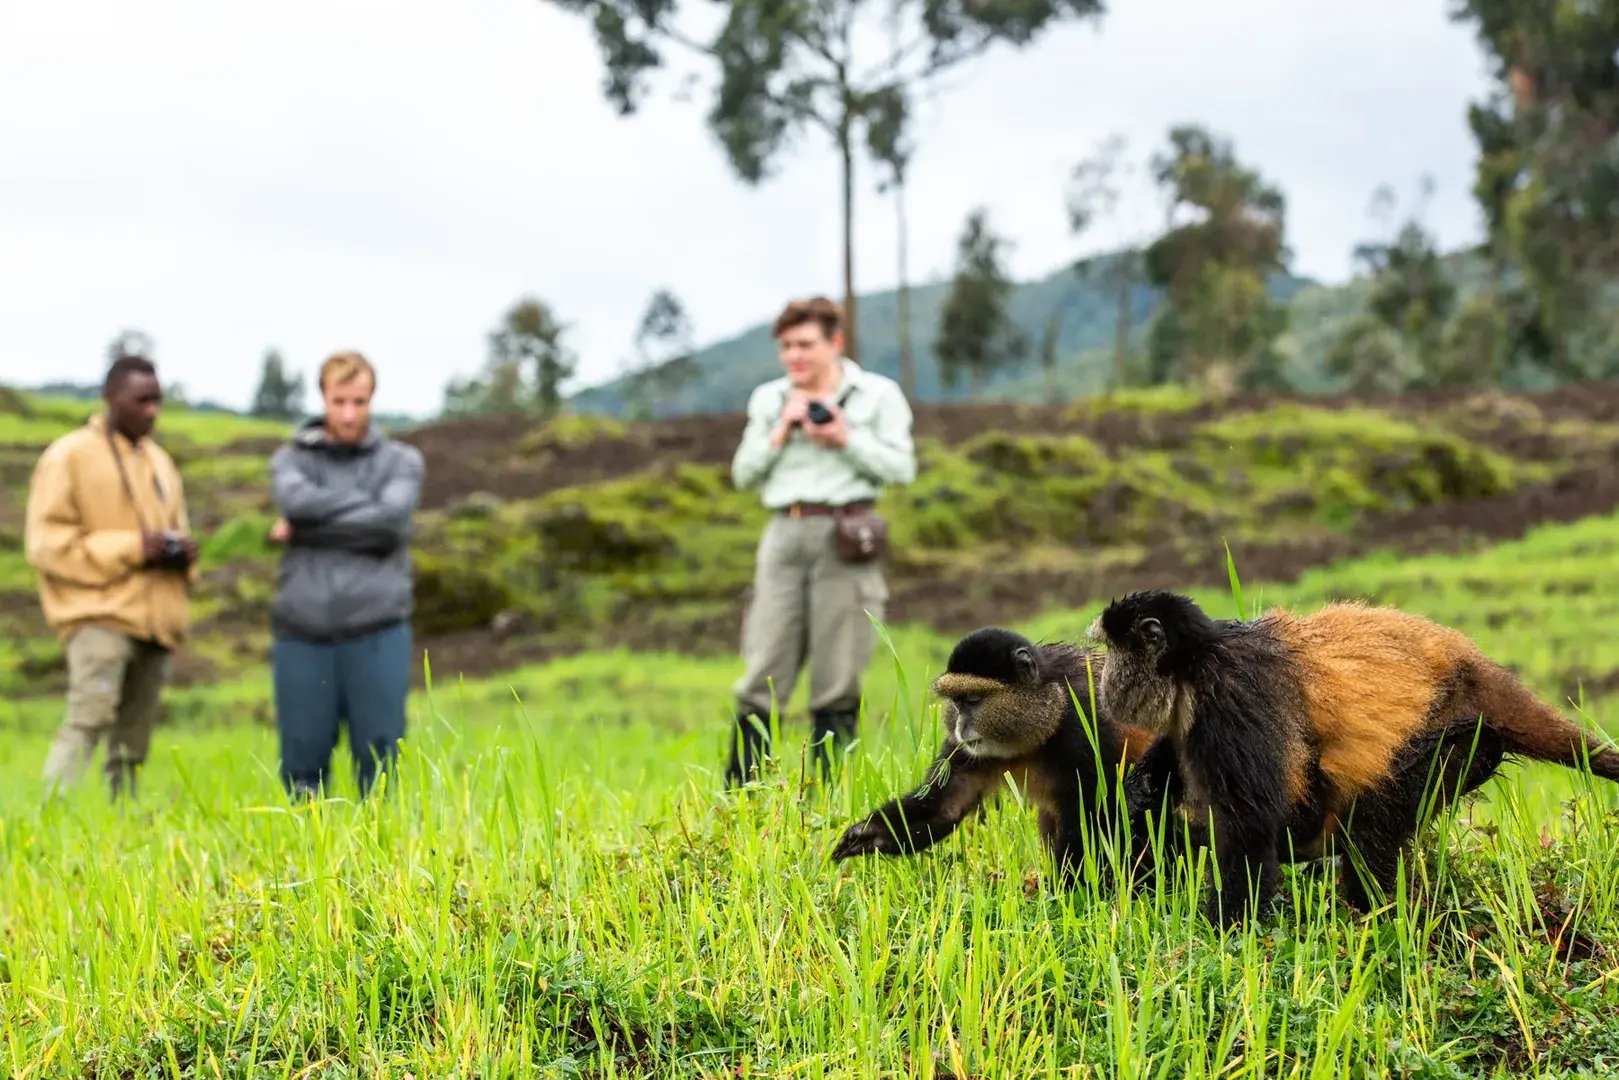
<point>817,309</point>
<point>125,366</point>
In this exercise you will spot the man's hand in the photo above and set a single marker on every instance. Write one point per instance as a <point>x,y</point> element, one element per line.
<point>151,546</point>
<point>153,543</point>
<point>281,531</point>
<point>834,434</point>
<point>794,413</point>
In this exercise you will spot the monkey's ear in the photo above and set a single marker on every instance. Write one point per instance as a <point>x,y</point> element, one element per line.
<point>1026,666</point>
<point>1151,630</point>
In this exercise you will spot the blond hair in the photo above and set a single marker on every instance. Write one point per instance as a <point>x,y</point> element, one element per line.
<point>340,367</point>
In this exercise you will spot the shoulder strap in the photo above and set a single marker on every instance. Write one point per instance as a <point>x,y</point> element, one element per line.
<point>123,474</point>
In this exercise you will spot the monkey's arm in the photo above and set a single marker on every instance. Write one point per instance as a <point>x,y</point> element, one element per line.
<point>1239,763</point>
<point>1154,777</point>
<point>1152,788</point>
<point>955,785</point>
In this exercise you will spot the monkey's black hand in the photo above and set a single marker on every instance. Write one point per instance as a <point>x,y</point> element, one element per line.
<point>868,837</point>
<point>1141,792</point>
<point>1156,775</point>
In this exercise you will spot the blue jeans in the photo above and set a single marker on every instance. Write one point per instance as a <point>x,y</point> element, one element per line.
<point>362,681</point>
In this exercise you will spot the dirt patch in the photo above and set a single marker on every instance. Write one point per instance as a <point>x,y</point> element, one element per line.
<point>1439,528</point>
<point>487,454</point>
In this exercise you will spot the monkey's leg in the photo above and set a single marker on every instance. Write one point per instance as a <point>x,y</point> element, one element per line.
<point>1428,774</point>
<point>1059,831</point>
<point>1247,863</point>
<point>916,821</point>
<point>1233,761</point>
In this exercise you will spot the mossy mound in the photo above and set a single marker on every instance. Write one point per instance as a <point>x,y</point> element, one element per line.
<point>1298,462</point>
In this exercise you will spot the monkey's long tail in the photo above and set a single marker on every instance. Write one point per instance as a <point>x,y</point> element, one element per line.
<point>1536,730</point>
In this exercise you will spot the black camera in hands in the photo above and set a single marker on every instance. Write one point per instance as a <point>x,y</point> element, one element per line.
<point>818,414</point>
<point>174,554</point>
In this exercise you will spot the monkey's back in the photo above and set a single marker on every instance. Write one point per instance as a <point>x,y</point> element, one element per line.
<point>1370,677</point>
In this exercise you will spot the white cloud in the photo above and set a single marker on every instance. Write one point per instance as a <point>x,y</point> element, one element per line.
<point>390,176</point>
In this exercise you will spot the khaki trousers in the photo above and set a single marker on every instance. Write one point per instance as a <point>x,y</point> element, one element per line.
<point>115,684</point>
<point>808,606</point>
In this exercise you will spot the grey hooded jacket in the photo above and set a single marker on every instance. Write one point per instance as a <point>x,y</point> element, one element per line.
<point>347,569</point>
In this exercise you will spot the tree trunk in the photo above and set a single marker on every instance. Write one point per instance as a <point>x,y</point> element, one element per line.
<point>846,151</point>
<point>907,360</point>
<point>1124,271</point>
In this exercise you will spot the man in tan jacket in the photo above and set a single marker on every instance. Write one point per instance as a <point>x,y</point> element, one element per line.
<point>108,533</point>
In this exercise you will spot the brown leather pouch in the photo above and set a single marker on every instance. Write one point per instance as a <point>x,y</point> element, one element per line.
<point>861,535</point>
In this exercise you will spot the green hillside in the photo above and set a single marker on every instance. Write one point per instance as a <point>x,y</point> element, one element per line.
<point>730,369</point>
<point>1318,313</point>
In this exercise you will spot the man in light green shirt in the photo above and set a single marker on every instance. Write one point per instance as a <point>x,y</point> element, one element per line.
<point>809,605</point>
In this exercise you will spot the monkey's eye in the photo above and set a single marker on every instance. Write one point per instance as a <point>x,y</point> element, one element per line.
<point>970,700</point>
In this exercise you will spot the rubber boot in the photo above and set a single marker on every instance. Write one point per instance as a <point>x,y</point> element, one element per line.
<point>749,747</point>
<point>833,730</point>
<point>121,780</point>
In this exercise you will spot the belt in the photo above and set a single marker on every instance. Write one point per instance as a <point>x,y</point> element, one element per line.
<point>799,510</point>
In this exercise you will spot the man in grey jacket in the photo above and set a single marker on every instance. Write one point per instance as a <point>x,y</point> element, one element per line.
<point>341,612</point>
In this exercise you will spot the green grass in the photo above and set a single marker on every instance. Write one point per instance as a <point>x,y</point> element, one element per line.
<point>559,887</point>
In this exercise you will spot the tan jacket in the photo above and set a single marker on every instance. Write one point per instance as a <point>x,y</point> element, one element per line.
<point>84,537</point>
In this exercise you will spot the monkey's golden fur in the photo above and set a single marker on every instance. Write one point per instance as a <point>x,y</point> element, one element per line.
<point>1374,678</point>
<point>1295,729</point>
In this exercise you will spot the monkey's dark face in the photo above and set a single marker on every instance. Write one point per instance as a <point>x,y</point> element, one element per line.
<point>1165,629</point>
<point>996,704</point>
<point>993,720</point>
<point>1152,640</point>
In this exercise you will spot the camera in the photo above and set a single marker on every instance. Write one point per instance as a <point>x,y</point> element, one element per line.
<point>818,414</point>
<point>173,555</point>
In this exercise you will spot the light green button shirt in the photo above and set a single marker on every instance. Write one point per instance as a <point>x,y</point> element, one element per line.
<point>879,450</point>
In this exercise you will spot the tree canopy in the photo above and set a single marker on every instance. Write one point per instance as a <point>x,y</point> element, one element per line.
<point>845,68</point>
<point>976,334</point>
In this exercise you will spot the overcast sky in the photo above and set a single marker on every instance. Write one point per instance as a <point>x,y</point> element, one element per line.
<point>389,176</point>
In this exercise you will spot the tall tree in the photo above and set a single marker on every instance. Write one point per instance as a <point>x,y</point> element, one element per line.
<point>665,353</point>
<point>280,393</point>
<point>1094,188</point>
<point>1225,238</point>
<point>785,67</point>
<point>976,334</point>
<point>1414,293</point>
<point>1548,176</point>
<point>890,144</point>
<point>1476,348</point>
<point>1048,353</point>
<point>1412,297</point>
<point>501,389</point>
<point>1371,358</point>
<point>530,338</point>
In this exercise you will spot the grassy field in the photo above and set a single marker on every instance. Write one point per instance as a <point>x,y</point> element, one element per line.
<point>559,887</point>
